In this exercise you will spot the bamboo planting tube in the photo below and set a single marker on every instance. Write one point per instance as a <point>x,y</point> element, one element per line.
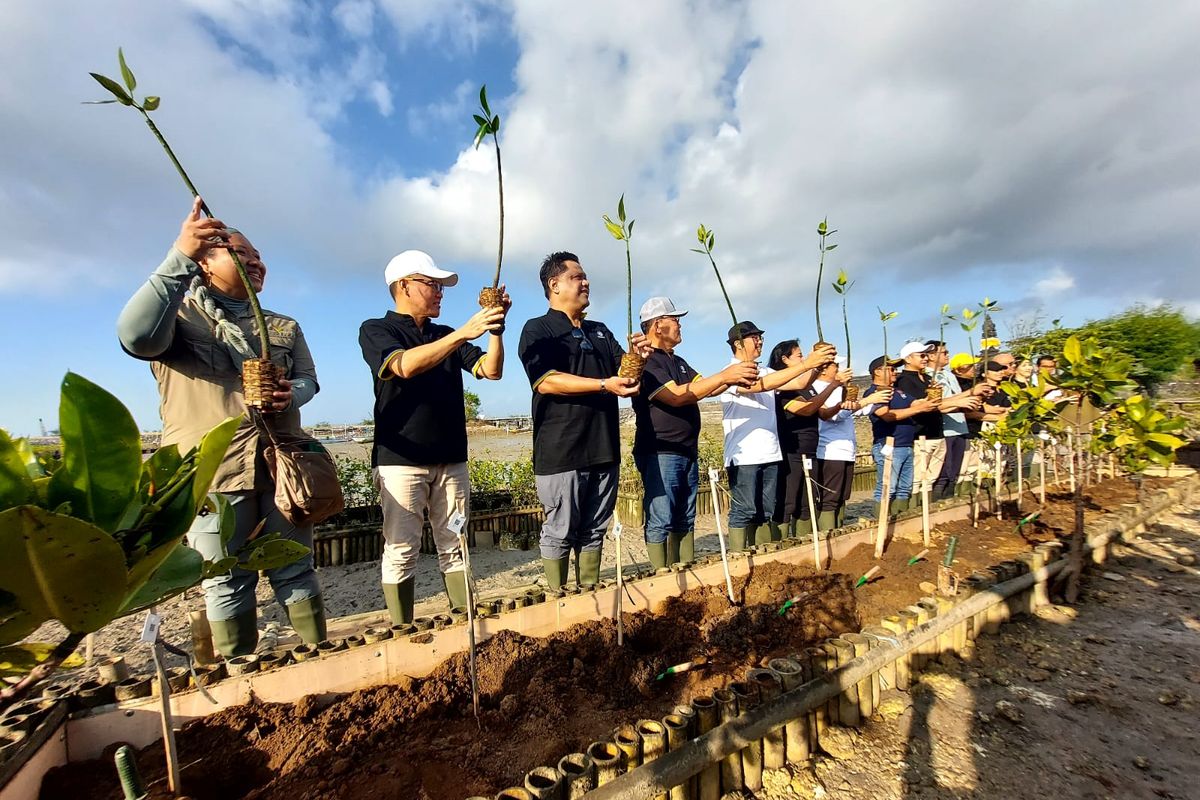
<point>654,743</point>
<point>732,777</point>
<point>677,730</point>
<point>886,677</point>
<point>896,628</point>
<point>796,741</point>
<point>746,693</point>
<point>544,783</point>
<point>833,711</point>
<point>848,709</point>
<point>626,738</point>
<point>863,689</point>
<point>579,775</point>
<point>819,717</point>
<point>773,744</point>
<point>708,786</point>
<point>609,760</point>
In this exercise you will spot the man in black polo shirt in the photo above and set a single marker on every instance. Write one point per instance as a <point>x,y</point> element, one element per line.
<point>420,449</point>
<point>666,446</point>
<point>572,363</point>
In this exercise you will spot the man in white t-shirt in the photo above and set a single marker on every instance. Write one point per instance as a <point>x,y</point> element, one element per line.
<point>752,454</point>
<point>837,443</point>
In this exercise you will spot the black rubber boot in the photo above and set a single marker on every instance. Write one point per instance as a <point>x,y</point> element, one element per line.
<point>587,567</point>
<point>308,619</point>
<point>456,588</point>
<point>237,636</point>
<point>556,571</point>
<point>400,599</point>
<point>657,553</point>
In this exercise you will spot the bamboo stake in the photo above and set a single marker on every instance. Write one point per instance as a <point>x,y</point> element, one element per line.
<point>621,578</point>
<point>1042,473</point>
<point>716,499</point>
<point>1020,477</point>
<point>168,723</point>
<point>885,497</point>
<point>812,511</point>
<point>1071,451</point>
<point>469,581</point>
<point>923,448</point>
<point>998,469</point>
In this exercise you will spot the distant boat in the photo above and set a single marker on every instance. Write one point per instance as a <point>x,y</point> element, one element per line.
<point>363,439</point>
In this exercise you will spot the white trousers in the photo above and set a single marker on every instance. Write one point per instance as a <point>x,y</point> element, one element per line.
<point>406,494</point>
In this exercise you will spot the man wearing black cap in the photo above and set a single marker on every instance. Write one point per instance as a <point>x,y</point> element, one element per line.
<point>893,419</point>
<point>666,447</point>
<point>752,452</point>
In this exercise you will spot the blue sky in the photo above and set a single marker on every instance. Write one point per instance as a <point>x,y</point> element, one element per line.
<point>1040,155</point>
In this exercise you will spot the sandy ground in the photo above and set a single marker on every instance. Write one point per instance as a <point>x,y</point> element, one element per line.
<point>1094,702</point>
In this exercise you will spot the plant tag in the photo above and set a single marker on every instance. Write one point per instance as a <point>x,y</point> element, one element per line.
<point>150,628</point>
<point>808,462</point>
<point>617,528</point>
<point>457,520</point>
<point>886,450</point>
<point>714,475</point>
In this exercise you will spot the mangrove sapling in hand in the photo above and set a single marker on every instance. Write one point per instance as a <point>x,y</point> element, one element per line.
<point>260,377</point>
<point>632,362</point>
<point>708,240</point>
<point>884,318</point>
<point>489,124</point>
<point>842,286</point>
<point>824,232</point>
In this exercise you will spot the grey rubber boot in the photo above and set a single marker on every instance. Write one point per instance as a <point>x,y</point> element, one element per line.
<point>308,619</point>
<point>657,553</point>
<point>556,571</point>
<point>826,521</point>
<point>237,636</point>
<point>587,567</point>
<point>683,545</point>
<point>399,598</point>
<point>456,588</point>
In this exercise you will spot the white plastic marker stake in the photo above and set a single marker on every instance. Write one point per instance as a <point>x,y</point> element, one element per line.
<point>885,495</point>
<point>1053,462</point>
<point>999,471</point>
<point>923,449</point>
<point>617,529</point>
<point>812,510</point>
<point>150,636</point>
<point>1042,437</point>
<point>457,525</point>
<point>1071,457</point>
<point>1020,477</point>
<point>713,477</point>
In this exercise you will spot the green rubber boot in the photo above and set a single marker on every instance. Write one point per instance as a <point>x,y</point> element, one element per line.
<point>399,598</point>
<point>791,531</point>
<point>456,588</point>
<point>237,636</point>
<point>826,521</point>
<point>308,619</point>
<point>684,547</point>
<point>899,506</point>
<point>738,538</point>
<point>587,567</point>
<point>772,533</point>
<point>840,516</point>
<point>556,571</point>
<point>657,553</point>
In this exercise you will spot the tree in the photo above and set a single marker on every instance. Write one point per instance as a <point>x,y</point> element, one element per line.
<point>471,405</point>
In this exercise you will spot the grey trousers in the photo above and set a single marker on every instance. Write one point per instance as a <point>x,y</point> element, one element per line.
<point>578,506</point>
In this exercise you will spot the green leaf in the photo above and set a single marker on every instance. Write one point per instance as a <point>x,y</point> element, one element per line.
<point>480,120</point>
<point>701,252</point>
<point>162,465</point>
<point>831,248</point>
<point>56,567</point>
<point>271,554</point>
<point>101,454</point>
<point>114,87</point>
<point>16,484</point>
<point>219,567</point>
<point>126,72</point>
<point>494,126</point>
<point>823,227</point>
<point>97,102</point>
<point>483,103</point>
<point>181,569</point>
<point>228,517</point>
<point>20,659</point>
<point>1072,350</point>
<point>209,455</point>
<point>630,229</point>
<point>151,102</point>
<point>617,232</point>
<point>712,241</point>
<point>479,134</point>
<point>621,208</point>
<point>701,234</point>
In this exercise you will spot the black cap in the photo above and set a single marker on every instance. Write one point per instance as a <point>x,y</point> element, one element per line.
<point>879,362</point>
<point>742,330</point>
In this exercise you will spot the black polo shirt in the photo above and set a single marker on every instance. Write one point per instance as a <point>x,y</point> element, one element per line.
<point>974,426</point>
<point>797,433</point>
<point>916,385</point>
<point>662,428</point>
<point>571,431</point>
<point>419,420</point>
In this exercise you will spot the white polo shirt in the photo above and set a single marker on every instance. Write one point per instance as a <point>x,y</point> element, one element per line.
<point>749,422</point>
<point>836,435</point>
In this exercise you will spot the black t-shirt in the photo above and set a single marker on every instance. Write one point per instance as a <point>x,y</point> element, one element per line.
<point>916,385</point>
<point>974,426</point>
<point>419,420</point>
<point>571,431</point>
<point>797,433</point>
<point>663,428</point>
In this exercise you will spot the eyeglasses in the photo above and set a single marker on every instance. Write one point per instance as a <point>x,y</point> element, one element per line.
<point>585,344</point>
<point>434,285</point>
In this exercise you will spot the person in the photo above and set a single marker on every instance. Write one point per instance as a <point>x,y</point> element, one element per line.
<point>666,443</point>
<point>1047,366</point>
<point>796,415</point>
<point>1023,372</point>
<point>193,322</point>
<point>571,363</point>
<point>752,452</point>
<point>963,368</point>
<point>836,443</point>
<point>893,418</point>
<point>419,456</point>
<point>954,422</point>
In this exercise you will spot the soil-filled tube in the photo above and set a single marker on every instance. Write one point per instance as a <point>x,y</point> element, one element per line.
<point>608,759</point>
<point>1028,599</point>
<point>921,653</point>
<point>579,775</point>
<point>930,607</point>
<point>895,626</point>
<point>746,693</point>
<point>865,687</point>
<point>732,777</point>
<point>947,642</point>
<point>1041,592</point>
<point>886,677</point>
<point>833,708</point>
<point>814,668</point>
<point>515,793</point>
<point>627,739</point>
<point>848,713</point>
<point>544,783</point>
<point>708,782</point>
<point>795,734</point>
<point>774,744</point>
<point>677,727</point>
<point>654,742</point>
<point>977,583</point>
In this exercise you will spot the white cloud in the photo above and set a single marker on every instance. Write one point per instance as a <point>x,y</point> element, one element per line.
<point>356,17</point>
<point>1056,282</point>
<point>432,119</point>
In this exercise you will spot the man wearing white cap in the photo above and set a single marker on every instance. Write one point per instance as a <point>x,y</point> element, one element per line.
<point>420,450</point>
<point>666,446</point>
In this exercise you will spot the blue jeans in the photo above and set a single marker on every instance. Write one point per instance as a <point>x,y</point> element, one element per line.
<point>754,488</point>
<point>900,485</point>
<point>670,481</point>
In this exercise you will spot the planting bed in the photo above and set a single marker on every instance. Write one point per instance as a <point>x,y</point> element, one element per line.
<point>544,698</point>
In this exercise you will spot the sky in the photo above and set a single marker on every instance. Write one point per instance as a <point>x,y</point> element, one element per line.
<point>1040,154</point>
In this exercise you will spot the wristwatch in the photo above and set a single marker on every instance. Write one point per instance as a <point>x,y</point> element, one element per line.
<point>602,388</point>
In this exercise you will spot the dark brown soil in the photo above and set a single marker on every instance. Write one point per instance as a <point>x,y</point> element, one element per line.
<point>544,698</point>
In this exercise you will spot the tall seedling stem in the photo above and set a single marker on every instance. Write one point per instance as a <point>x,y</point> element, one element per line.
<point>824,232</point>
<point>489,124</point>
<point>843,286</point>
<point>884,318</point>
<point>708,240</point>
<point>622,233</point>
<point>151,103</point>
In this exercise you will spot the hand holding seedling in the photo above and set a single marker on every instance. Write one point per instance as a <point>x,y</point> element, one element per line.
<point>622,387</point>
<point>641,345</point>
<point>485,320</point>
<point>199,234</point>
<point>820,356</point>
<point>880,396</point>
<point>742,373</point>
<point>844,376</point>
<point>983,390</point>
<point>282,396</point>
<point>923,405</point>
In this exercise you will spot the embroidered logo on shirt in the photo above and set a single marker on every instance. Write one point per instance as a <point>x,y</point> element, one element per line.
<point>599,334</point>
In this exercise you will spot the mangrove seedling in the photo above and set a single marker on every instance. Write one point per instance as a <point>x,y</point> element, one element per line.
<point>944,316</point>
<point>884,318</point>
<point>866,577</point>
<point>918,557</point>
<point>489,125</point>
<point>631,362</point>
<point>842,286</point>
<point>791,602</point>
<point>824,232</point>
<point>681,668</point>
<point>708,240</point>
<point>151,103</point>
<point>970,321</point>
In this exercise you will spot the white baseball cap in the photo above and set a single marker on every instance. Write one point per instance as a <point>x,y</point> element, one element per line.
<point>415,262</point>
<point>912,348</point>
<point>657,307</point>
